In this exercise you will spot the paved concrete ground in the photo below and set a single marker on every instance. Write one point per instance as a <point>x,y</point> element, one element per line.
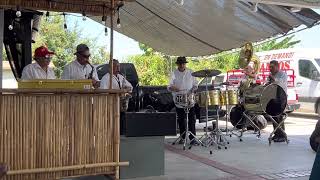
<point>251,159</point>
<point>306,107</point>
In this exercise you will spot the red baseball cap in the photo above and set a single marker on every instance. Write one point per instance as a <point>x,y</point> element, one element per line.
<point>43,52</point>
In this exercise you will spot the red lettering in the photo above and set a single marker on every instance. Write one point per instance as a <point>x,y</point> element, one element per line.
<point>292,54</point>
<point>287,65</point>
<point>279,56</point>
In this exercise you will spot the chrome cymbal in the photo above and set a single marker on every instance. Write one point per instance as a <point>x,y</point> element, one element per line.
<point>206,73</point>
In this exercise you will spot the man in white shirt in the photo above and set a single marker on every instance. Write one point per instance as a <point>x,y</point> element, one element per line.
<point>278,77</point>
<point>182,82</point>
<point>81,67</point>
<point>39,69</point>
<point>118,81</point>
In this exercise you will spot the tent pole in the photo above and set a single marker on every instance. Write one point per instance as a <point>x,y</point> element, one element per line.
<point>1,44</point>
<point>111,45</point>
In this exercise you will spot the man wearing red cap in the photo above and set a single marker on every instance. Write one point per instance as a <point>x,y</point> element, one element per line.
<point>81,67</point>
<point>39,69</point>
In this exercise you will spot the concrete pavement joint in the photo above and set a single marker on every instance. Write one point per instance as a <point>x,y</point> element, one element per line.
<point>238,174</point>
<point>212,163</point>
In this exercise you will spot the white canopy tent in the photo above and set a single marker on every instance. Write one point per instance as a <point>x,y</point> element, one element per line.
<point>292,3</point>
<point>205,27</point>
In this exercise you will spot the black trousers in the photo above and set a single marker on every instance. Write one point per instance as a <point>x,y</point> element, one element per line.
<point>122,123</point>
<point>181,118</point>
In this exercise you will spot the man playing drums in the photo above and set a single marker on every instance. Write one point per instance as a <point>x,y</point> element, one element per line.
<point>182,83</point>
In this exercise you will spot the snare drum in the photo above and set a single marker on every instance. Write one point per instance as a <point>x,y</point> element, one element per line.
<point>185,100</point>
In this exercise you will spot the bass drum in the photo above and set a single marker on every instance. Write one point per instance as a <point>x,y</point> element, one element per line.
<point>270,99</point>
<point>236,114</point>
<point>236,119</point>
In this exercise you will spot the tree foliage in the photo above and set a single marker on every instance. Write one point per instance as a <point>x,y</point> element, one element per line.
<point>63,42</point>
<point>154,68</point>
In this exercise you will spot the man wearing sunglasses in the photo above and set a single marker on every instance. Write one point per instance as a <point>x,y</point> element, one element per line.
<point>40,68</point>
<point>81,67</point>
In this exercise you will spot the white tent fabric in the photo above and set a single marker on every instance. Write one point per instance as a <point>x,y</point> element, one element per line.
<point>203,27</point>
<point>292,3</point>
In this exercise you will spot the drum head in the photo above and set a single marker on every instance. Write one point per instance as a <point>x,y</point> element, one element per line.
<point>274,99</point>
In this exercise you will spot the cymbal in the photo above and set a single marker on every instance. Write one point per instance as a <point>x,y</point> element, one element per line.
<point>206,73</point>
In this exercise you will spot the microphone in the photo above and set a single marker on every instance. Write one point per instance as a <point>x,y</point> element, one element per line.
<point>92,69</point>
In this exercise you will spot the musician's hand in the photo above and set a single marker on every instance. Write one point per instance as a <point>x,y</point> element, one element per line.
<point>96,84</point>
<point>174,88</point>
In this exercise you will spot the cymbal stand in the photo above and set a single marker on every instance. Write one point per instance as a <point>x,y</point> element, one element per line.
<point>207,139</point>
<point>227,113</point>
<point>218,135</point>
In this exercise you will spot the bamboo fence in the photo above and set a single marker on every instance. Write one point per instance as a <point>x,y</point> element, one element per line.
<point>52,135</point>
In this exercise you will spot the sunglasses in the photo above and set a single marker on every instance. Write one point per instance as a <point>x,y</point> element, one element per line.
<point>85,56</point>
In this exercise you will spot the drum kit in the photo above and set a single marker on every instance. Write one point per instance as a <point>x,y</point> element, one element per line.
<point>255,103</point>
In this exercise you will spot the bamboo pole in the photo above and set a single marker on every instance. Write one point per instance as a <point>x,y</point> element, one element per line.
<point>117,133</point>
<point>49,130</point>
<point>66,168</point>
<point>111,43</point>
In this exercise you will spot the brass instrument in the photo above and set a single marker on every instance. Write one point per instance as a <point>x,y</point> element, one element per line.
<point>246,56</point>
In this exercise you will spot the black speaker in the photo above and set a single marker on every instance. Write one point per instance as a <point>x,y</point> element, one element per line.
<point>139,124</point>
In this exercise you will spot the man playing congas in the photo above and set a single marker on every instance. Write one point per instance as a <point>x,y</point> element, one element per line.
<point>280,78</point>
<point>183,83</point>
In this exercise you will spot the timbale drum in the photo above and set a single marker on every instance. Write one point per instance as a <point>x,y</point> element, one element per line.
<point>270,99</point>
<point>185,100</point>
<point>211,97</point>
<point>217,98</point>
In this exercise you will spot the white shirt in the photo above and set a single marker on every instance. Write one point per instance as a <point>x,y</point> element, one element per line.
<point>184,81</point>
<point>118,82</point>
<point>34,71</point>
<point>75,70</point>
<point>281,79</point>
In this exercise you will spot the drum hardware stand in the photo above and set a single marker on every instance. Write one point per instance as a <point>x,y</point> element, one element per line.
<point>247,121</point>
<point>218,135</point>
<point>207,139</point>
<point>187,133</point>
<point>278,126</point>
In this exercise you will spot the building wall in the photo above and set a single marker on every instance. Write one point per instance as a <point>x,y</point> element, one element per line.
<point>8,80</point>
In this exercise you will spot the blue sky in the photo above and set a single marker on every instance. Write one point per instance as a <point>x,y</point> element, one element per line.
<point>124,46</point>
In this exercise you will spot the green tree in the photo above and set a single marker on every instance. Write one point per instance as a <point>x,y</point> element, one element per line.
<point>64,41</point>
<point>287,42</point>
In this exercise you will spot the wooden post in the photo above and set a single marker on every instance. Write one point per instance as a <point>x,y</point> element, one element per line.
<point>1,44</point>
<point>111,44</point>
